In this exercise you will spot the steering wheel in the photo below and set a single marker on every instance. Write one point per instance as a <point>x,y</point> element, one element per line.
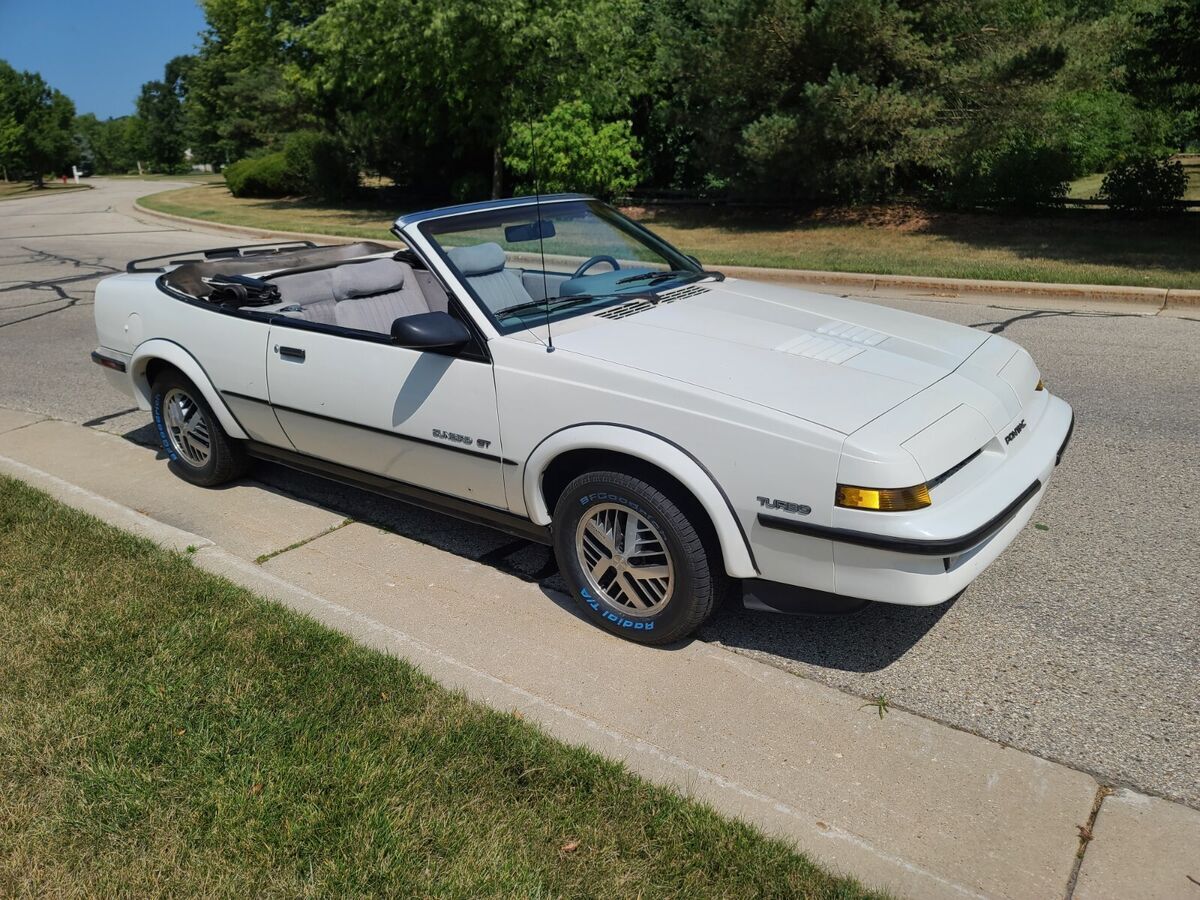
<point>588,263</point>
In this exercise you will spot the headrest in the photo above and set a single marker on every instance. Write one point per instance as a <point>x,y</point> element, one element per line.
<point>365,279</point>
<point>481,259</point>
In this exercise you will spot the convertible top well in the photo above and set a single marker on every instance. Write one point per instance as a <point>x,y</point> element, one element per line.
<point>189,278</point>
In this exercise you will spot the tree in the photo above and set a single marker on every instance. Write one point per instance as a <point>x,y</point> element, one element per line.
<point>432,94</point>
<point>238,97</point>
<point>160,107</point>
<point>39,133</point>
<point>567,150</point>
<point>114,146</point>
<point>1163,65</point>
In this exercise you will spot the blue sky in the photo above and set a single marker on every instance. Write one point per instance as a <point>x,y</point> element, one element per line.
<point>98,52</point>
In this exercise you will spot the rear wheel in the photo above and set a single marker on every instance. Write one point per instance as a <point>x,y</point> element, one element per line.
<point>634,559</point>
<point>197,447</point>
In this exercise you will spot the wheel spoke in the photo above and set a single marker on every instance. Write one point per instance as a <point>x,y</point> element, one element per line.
<point>602,565</point>
<point>642,573</point>
<point>605,539</point>
<point>632,592</point>
<point>631,530</point>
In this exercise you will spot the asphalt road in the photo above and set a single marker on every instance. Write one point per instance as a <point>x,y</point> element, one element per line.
<point>1079,644</point>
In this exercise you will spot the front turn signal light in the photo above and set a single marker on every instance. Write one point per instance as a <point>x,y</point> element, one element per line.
<point>883,499</point>
<point>1041,385</point>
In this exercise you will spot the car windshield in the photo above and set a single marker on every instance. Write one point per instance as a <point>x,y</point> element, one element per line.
<point>593,257</point>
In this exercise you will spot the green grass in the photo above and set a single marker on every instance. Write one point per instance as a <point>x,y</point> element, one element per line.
<point>164,732</point>
<point>13,190</point>
<point>1074,246</point>
<point>200,177</point>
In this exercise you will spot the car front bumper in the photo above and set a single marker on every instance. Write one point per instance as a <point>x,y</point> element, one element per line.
<point>926,558</point>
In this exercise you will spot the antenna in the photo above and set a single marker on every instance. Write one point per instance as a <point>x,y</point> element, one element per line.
<point>537,205</point>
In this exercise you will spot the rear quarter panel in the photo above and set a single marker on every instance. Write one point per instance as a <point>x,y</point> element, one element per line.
<point>229,350</point>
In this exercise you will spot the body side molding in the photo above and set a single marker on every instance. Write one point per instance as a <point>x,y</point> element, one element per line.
<point>441,445</point>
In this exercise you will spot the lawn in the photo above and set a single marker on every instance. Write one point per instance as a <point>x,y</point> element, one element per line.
<point>12,190</point>
<point>201,177</point>
<point>164,732</point>
<point>1071,246</point>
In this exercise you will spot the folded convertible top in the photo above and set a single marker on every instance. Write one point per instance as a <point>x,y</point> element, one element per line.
<point>190,276</point>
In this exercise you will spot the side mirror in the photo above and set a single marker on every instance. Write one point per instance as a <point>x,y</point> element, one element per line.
<point>430,331</point>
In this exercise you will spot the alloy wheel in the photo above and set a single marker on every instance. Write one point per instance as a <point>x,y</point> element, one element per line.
<point>625,559</point>
<point>187,427</point>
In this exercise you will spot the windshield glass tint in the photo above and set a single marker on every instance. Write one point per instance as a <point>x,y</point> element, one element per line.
<point>594,257</point>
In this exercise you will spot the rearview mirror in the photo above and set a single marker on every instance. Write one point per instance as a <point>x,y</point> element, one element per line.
<point>515,234</point>
<point>430,331</point>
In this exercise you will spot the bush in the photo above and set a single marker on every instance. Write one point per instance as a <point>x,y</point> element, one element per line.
<point>575,153</point>
<point>321,164</point>
<point>1026,177</point>
<point>262,176</point>
<point>1145,186</point>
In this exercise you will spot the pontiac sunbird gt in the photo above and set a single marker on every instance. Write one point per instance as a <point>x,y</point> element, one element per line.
<point>555,370</point>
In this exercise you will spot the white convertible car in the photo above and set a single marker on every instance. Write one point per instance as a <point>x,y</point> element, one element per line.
<point>556,370</point>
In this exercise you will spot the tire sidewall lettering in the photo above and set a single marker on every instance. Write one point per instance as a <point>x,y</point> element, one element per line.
<point>602,607</point>
<point>163,437</point>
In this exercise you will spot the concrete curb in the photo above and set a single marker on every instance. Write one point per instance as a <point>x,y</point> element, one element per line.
<point>905,803</point>
<point>951,288</point>
<point>856,282</point>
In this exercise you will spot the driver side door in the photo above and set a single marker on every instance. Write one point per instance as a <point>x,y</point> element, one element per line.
<point>356,399</point>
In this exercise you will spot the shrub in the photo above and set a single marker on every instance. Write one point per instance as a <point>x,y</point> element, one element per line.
<point>1028,176</point>
<point>321,164</point>
<point>575,153</point>
<point>1145,186</point>
<point>262,176</point>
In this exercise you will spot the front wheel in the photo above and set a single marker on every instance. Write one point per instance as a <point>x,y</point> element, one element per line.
<point>197,447</point>
<point>633,558</point>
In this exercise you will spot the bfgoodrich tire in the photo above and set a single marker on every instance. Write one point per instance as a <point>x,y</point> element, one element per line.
<point>197,447</point>
<point>634,560</point>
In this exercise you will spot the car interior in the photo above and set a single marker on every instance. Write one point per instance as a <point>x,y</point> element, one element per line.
<point>330,286</point>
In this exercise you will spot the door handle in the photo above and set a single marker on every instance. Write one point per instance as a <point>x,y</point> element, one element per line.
<point>294,353</point>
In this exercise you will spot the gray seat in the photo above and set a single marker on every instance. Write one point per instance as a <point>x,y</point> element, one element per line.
<point>483,267</point>
<point>367,295</point>
<point>372,295</point>
<point>312,292</point>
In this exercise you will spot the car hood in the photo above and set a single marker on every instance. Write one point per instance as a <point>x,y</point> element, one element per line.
<point>835,362</point>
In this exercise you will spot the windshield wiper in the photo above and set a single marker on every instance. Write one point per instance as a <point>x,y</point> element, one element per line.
<point>655,276</point>
<point>552,303</point>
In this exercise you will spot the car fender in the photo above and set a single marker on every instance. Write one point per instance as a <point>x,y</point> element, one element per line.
<point>170,352</point>
<point>658,451</point>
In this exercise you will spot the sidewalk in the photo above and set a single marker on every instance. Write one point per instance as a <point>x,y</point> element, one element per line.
<point>1141,299</point>
<point>900,802</point>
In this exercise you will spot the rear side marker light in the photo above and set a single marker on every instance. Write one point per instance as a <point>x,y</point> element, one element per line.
<point>883,499</point>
